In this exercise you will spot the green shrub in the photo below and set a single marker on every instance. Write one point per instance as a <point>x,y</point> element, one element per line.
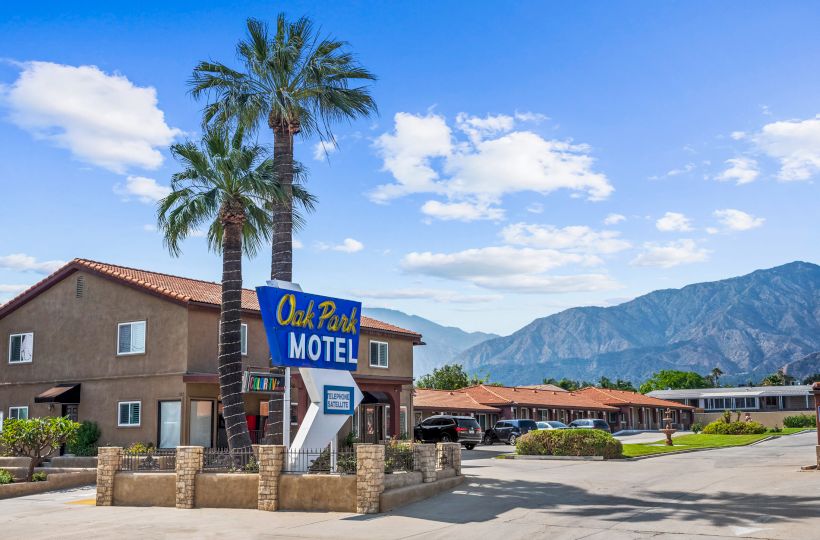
<point>720,427</point>
<point>140,448</point>
<point>569,442</point>
<point>800,420</point>
<point>775,429</point>
<point>85,442</point>
<point>697,427</point>
<point>39,476</point>
<point>5,477</point>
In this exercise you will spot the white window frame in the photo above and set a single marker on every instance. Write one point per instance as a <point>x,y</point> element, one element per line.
<point>243,344</point>
<point>145,338</point>
<point>386,354</point>
<point>119,418</point>
<point>294,413</point>
<point>11,337</point>
<point>18,408</point>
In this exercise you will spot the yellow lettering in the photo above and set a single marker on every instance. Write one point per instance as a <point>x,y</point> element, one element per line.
<point>288,301</point>
<point>328,308</point>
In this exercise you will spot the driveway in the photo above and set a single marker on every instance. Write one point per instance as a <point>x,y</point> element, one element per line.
<point>755,491</point>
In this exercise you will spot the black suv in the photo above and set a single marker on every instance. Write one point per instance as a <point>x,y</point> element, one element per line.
<point>446,428</point>
<point>589,423</point>
<point>507,431</point>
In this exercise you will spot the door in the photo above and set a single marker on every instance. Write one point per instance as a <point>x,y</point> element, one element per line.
<point>72,411</point>
<point>201,423</point>
<point>373,431</point>
<point>170,423</point>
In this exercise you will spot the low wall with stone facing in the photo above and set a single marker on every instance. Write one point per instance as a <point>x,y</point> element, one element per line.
<point>53,482</point>
<point>769,419</point>
<point>369,491</point>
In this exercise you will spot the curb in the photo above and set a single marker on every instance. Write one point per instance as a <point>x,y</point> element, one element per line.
<point>551,458</point>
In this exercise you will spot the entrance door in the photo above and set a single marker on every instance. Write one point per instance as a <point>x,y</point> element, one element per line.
<point>170,422</point>
<point>373,428</point>
<point>72,411</point>
<point>201,423</point>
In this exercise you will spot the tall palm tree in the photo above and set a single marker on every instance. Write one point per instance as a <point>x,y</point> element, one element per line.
<point>716,373</point>
<point>227,186</point>
<point>297,81</point>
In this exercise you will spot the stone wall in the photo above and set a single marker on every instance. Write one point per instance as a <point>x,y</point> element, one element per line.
<point>108,463</point>
<point>189,464</point>
<point>369,477</point>
<point>53,482</point>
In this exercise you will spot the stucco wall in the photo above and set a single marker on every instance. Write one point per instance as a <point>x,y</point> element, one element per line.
<point>53,482</point>
<point>312,492</point>
<point>144,489</point>
<point>226,490</point>
<point>399,355</point>
<point>768,419</point>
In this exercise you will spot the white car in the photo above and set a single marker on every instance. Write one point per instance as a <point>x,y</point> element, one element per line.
<point>552,424</point>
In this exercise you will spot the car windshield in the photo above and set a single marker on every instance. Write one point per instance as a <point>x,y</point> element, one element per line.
<point>543,425</point>
<point>467,422</point>
<point>556,424</point>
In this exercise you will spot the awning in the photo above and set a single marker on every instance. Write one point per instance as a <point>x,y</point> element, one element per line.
<point>62,393</point>
<point>375,397</point>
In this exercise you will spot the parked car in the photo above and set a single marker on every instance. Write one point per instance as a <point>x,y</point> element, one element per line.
<point>551,424</point>
<point>590,423</point>
<point>447,428</point>
<point>507,431</point>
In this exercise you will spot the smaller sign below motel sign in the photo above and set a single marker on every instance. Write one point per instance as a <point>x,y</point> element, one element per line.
<point>338,400</point>
<point>309,330</point>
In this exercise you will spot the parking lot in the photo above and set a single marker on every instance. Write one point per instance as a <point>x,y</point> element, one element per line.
<point>756,491</point>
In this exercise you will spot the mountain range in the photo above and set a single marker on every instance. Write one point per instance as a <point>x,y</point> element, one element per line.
<point>748,326</point>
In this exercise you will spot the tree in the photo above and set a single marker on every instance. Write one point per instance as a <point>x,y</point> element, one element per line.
<point>297,82</point>
<point>227,186</point>
<point>670,379</point>
<point>448,377</point>
<point>36,438</point>
<point>778,379</point>
<point>619,384</point>
<point>811,379</point>
<point>716,373</point>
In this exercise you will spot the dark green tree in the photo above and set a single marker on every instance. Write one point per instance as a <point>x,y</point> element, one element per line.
<point>811,379</point>
<point>778,379</point>
<point>670,379</point>
<point>448,377</point>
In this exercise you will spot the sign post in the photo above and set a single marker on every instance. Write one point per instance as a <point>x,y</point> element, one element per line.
<point>320,336</point>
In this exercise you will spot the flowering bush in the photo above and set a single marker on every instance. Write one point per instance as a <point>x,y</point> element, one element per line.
<point>569,442</point>
<point>720,427</point>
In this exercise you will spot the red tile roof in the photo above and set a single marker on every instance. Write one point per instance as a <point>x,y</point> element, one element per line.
<point>618,398</point>
<point>180,289</point>
<point>532,397</point>
<point>448,400</point>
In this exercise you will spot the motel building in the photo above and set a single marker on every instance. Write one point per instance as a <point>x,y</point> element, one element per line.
<point>638,411</point>
<point>136,352</point>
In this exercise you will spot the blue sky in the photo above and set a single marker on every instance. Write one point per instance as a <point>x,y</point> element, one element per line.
<point>525,159</point>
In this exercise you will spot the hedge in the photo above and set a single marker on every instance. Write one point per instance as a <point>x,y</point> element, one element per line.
<point>569,442</point>
<point>720,427</point>
<point>800,420</point>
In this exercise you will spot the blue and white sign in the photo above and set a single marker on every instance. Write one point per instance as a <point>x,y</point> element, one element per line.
<point>310,331</point>
<point>339,399</point>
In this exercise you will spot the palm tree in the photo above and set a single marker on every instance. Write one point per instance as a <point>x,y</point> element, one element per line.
<point>716,373</point>
<point>227,186</point>
<point>299,83</point>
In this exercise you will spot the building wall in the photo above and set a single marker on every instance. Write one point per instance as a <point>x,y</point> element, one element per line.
<point>768,418</point>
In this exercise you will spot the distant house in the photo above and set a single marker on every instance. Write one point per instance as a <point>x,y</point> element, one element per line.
<point>743,398</point>
<point>639,411</point>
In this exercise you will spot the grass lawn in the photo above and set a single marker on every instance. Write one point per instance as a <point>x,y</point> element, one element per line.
<point>689,442</point>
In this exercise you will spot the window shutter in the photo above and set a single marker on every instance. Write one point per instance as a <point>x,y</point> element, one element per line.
<point>383,354</point>
<point>26,347</point>
<point>123,413</point>
<point>374,353</point>
<point>135,414</point>
<point>138,337</point>
<point>16,348</point>
<point>125,339</point>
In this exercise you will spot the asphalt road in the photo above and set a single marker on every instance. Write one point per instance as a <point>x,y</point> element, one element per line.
<point>751,492</point>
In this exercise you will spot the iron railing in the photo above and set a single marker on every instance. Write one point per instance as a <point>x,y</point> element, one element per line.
<point>321,461</point>
<point>152,460</point>
<point>398,457</point>
<point>222,460</point>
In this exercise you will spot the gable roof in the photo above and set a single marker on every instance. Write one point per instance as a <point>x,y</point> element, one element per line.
<point>532,397</point>
<point>624,397</point>
<point>448,400</point>
<point>175,288</point>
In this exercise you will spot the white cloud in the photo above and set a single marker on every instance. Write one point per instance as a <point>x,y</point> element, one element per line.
<point>101,119</point>
<point>712,230</point>
<point>535,208</point>
<point>146,190</point>
<point>348,245</point>
<point>434,295</point>
<point>673,221</point>
<point>322,149</point>
<point>462,211</point>
<point>198,233</point>
<point>550,284</point>
<point>795,144</point>
<point>737,220</point>
<point>297,244</point>
<point>671,254</point>
<point>614,219</point>
<point>26,263</point>
<point>528,116</point>
<point>738,135</point>
<point>149,227</point>
<point>424,156</point>
<point>577,238</point>
<point>11,290</point>
<point>742,170</point>
<point>689,167</point>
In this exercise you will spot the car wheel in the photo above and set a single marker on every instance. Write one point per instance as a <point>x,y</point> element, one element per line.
<point>469,446</point>
<point>445,438</point>
<point>488,440</point>
<point>512,440</point>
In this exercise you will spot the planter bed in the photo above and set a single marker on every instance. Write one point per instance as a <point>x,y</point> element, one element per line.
<point>55,481</point>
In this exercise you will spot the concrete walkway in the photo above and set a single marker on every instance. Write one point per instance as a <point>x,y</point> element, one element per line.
<point>755,492</point>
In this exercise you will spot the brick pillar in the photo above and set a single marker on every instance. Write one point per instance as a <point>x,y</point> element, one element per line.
<point>270,459</point>
<point>369,477</point>
<point>108,463</point>
<point>454,454</point>
<point>424,458</point>
<point>189,464</point>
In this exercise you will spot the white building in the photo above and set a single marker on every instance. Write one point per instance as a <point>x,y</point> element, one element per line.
<point>743,398</point>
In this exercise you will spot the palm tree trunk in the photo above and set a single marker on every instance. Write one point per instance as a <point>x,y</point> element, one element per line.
<point>230,351</point>
<point>282,248</point>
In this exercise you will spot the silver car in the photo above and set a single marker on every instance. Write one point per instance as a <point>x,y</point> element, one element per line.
<point>551,424</point>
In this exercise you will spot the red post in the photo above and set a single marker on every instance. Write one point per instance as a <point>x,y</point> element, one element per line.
<point>816,391</point>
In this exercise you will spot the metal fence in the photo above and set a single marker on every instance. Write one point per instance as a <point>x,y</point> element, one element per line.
<point>321,461</point>
<point>152,460</point>
<point>398,457</point>
<point>222,460</point>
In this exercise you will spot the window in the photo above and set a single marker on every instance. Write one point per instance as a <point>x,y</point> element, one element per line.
<point>129,414</point>
<point>294,413</point>
<point>243,339</point>
<point>403,420</point>
<point>378,354</point>
<point>20,413</point>
<point>21,348</point>
<point>131,338</point>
